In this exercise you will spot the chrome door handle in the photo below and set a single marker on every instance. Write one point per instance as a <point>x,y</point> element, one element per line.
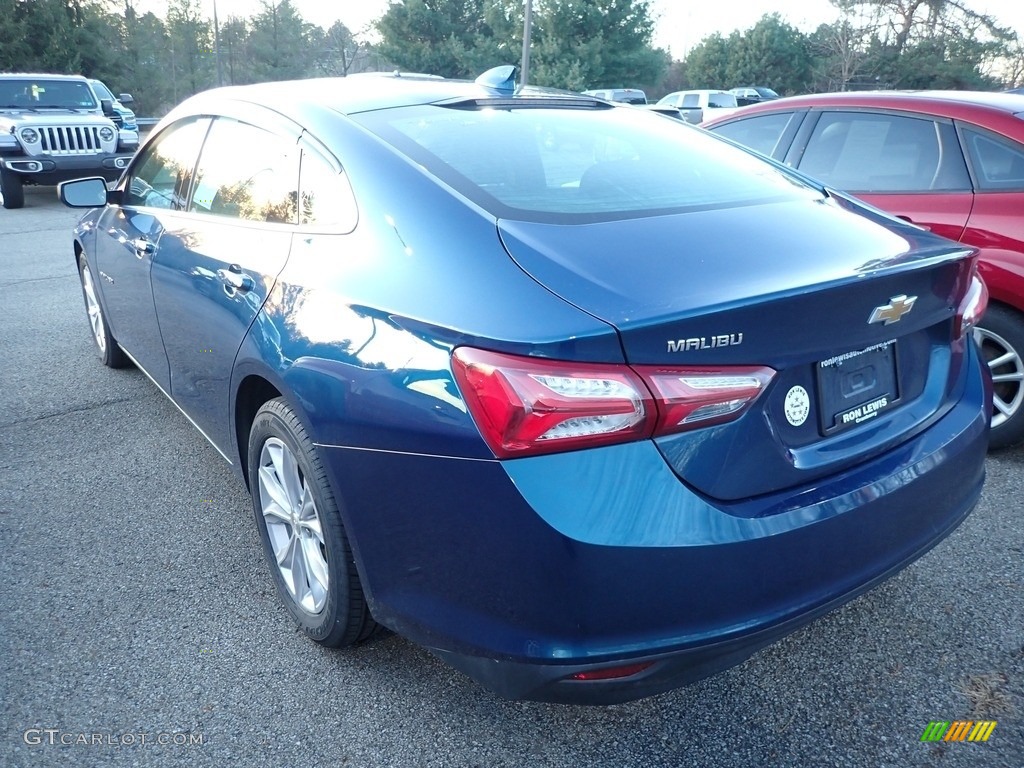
<point>143,247</point>
<point>235,279</point>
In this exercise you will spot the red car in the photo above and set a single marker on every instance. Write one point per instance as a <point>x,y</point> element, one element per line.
<point>949,161</point>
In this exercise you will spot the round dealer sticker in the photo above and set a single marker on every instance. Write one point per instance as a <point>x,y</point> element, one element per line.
<point>797,406</point>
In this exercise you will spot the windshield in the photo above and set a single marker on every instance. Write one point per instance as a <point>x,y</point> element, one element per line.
<point>40,93</point>
<point>571,165</point>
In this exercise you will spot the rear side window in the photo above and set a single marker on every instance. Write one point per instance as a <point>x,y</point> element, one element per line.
<point>247,173</point>
<point>575,164</point>
<point>998,162</point>
<point>691,100</point>
<point>761,133</point>
<point>326,198</point>
<point>161,176</point>
<point>873,152</point>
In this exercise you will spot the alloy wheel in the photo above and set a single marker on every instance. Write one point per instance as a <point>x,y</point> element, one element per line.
<point>92,306</point>
<point>293,526</point>
<point>1007,374</point>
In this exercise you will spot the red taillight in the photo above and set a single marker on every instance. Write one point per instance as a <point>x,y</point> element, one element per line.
<point>612,673</point>
<point>700,397</point>
<point>973,306</point>
<point>526,405</point>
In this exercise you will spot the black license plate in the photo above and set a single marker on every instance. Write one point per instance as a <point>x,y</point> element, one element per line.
<point>856,387</point>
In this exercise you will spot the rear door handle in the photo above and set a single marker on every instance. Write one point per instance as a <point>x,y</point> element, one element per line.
<point>235,279</point>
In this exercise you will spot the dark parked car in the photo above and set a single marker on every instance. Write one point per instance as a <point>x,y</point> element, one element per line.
<point>753,94</point>
<point>539,408</point>
<point>952,162</point>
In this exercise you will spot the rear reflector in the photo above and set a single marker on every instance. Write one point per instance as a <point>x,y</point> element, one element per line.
<point>525,405</point>
<point>612,673</point>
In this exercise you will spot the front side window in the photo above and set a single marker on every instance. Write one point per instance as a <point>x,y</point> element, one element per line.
<point>575,164</point>
<point>761,133</point>
<point>247,173</point>
<point>161,176</point>
<point>879,152</point>
<point>998,162</point>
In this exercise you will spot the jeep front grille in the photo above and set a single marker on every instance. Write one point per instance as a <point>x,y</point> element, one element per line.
<point>71,140</point>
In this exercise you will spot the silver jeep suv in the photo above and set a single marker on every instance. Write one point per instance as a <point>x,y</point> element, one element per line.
<point>53,128</point>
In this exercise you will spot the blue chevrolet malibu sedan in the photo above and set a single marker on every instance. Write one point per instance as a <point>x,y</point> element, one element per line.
<point>589,403</point>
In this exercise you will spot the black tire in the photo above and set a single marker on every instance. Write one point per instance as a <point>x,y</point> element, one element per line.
<point>111,354</point>
<point>1000,335</point>
<point>343,618</point>
<point>12,188</point>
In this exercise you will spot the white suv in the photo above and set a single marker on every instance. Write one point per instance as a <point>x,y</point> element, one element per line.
<point>692,104</point>
<point>52,129</point>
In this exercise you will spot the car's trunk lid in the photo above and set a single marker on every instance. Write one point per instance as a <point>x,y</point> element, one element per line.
<point>788,285</point>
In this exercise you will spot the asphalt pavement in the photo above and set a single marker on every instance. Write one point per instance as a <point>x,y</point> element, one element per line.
<point>139,624</point>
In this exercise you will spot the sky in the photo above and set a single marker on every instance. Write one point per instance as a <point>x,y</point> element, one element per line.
<point>680,24</point>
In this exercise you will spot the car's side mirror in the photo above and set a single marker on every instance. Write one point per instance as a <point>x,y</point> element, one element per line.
<point>107,105</point>
<point>125,98</point>
<point>83,193</point>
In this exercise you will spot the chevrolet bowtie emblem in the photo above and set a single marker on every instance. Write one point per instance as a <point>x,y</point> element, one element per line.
<point>890,313</point>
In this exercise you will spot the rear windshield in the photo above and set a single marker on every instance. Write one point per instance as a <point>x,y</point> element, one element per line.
<point>722,100</point>
<point>629,97</point>
<point>580,164</point>
<point>40,93</point>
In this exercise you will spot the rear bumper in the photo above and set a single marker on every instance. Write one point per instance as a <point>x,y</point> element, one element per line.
<point>669,670</point>
<point>550,682</point>
<point>523,572</point>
